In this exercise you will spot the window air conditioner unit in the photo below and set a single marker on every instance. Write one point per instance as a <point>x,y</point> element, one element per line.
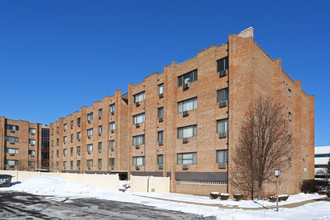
<point>160,167</point>
<point>222,165</point>
<point>137,146</point>
<point>12,154</point>
<point>161,95</point>
<point>100,133</point>
<point>185,113</point>
<point>12,142</point>
<point>160,143</point>
<point>112,112</point>
<point>186,86</point>
<point>89,152</point>
<point>222,104</point>
<point>185,140</point>
<point>89,137</point>
<point>89,121</point>
<point>112,131</point>
<point>100,117</point>
<point>33,144</point>
<point>11,166</point>
<point>137,125</point>
<point>112,167</point>
<point>137,104</point>
<point>88,167</point>
<point>222,134</point>
<point>12,130</point>
<point>137,168</point>
<point>222,73</point>
<point>185,166</point>
<point>112,148</point>
<point>160,119</point>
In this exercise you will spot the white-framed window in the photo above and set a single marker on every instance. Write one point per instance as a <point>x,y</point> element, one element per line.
<point>289,93</point>
<point>187,105</point>
<point>112,126</point>
<point>112,145</point>
<point>89,163</point>
<point>100,113</point>
<point>32,130</point>
<point>161,112</point>
<point>161,90</point>
<point>32,152</point>
<point>100,129</point>
<point>11,150</point>
<point>187,132</point>
<point>222,64</point>
<point>78,164</point>
<point>65,126</point>
<point>100,147</point>
<point>139,139</point>
<point>79,136</point>
<point>89,148</point>
<point>112,162</point>
<point>65,138</point>
<point>100,164</point>
<point>11,162</point>
<point>140,118</point>
<point>160,159</point>
<point>290,116</point>
<point>31,164</point>
<point>222,95</point>
<point>78,150</point>
<point>12,127</point>
<point>11,139</point>
<point>139,97</point>
<point>112,108</point>
<point>71,138</point>
<point>90,116</point>
<point>187,158</point>
<point>222,126</point>
<point>187,78</point>
<point>65,151</point>
<point>222,156</point>
<point>160,136</point>
<point>32,142</point>
<point>71,164</point>
<point>138,161</point>
<point>71,151</point>
<point>71,124</point>
<point>90,132</point>
<point>64,165</point>
<point>78,121</point>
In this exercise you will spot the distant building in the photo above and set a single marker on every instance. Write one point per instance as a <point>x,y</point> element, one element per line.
<point>23,145</point>
<point>322,157</point>
<point>184,122</point>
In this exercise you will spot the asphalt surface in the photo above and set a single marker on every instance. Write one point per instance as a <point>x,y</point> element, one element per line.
<point>18,205</point>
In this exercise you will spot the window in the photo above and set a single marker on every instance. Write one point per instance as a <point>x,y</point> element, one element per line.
<point>112,162</point>
<point>11,162</point>
<point>78,121</point>
<point>57,141</point>
<point>78,136</point>
<point>71,164</point>
<point>187,158</point>
<point>100,164</point>
<point>100,147</point>
<point>187,78</point>
<point>78,150</point>
<point>52,131</point>
<point>222,95</point>
<point>138,161</point>
<point>100,130</point>
<point>322,155</point>
<point>65,126</point>
<point>112,145</point>
<point>187,132</point>
<point>160,113</point>
<point>160,159</point>
<point>78,164</point>
<point>64,165</point>
<point>100,113</point>
<point>12,127</point>
<point>11,151</point>
<point>139,97</point>
<point>65,139</point>
<point>290,116</point>
<point>160,137</point>
<point>52,143</point>
<point>32,142</point>
<point>65,152</point>
<point>71,138</point>
<point>31,164</point>
<point>32,152</point>
<point>11,139</point>
<point>187,105</point>
<point>222,156</point>
<point>57,153</point>
<point>222,64</point>
<point>161,90</point>
<point>71,151</point>
<point>71,124</point>
<point>289,93</point>
<point>112,126</point>
<point>222,126</point>
<point>89,148</point>
<point>112,109</point>
<point>57,129</point>
<point>89,132</point>
<point>32,130</point>
<point>140,118</point>
<point>90,117</point>
<point>89,164</point>
<point>57,165</point>
<point>139,139</point>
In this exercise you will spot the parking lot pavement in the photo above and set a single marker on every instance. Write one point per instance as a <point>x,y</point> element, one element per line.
<point>18,205</point>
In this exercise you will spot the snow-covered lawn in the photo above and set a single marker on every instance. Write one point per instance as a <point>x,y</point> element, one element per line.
<point>60,188</point>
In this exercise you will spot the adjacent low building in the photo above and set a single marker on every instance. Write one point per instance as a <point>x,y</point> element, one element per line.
<point>184,122</point>
<point>23,145</point>
<point>322,158</point>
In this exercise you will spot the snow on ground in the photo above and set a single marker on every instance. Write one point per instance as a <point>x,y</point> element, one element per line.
<point>60,189</point>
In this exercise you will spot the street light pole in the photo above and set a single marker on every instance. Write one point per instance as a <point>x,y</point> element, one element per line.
<point>277,174</point>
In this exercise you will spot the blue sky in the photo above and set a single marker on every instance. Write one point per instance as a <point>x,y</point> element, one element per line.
<point>51,50</point>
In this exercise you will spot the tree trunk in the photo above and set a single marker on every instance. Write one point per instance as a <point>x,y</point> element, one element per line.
<point>259,191</point>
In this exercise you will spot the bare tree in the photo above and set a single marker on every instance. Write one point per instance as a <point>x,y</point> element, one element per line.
<point>264,144</point>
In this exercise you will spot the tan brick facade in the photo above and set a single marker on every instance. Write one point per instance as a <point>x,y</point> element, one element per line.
<point>21,145</point>
<point>250,72</point>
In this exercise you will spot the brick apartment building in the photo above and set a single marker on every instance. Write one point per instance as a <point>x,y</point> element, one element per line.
<point>184,122</point>
<point>23,145</point>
